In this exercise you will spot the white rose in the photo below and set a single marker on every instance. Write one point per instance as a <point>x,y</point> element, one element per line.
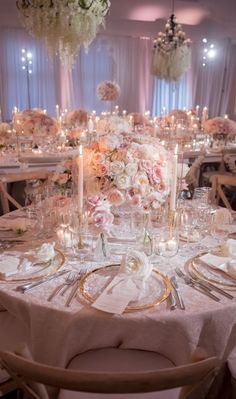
<point>136,262</point>
<point>122,181</point>
<point>131,168</point>
<point>46,252</point>
<point>117,167</point>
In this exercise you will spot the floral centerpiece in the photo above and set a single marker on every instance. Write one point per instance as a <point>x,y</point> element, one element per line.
<point>138,119</point>
<point>176,115</point>
<point>219,125</point>
<point>113,124</point>
<point>35,122</point>
<point>108,91</point>
<point>76,118</point>
<point>132,173</point>
<point>6,134</point>
<point>64,25</point>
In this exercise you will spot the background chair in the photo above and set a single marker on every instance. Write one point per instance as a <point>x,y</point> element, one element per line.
<point>6,198</point>
<point>219,184</point>
<point>80,376</point>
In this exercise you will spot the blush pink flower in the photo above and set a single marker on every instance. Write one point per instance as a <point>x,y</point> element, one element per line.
<point>145,165</point>
<point>102,169</point>
<point>102,219</point>
<point>136,201</point>
<point>98,158</point>
<point>115,197</point>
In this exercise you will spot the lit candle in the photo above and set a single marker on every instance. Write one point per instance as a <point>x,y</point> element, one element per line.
<point>204,114</point>
<point>80,179</point>
<point>45,112</point>
<point>124,112</point>
<point>197,110</point>
<point>0,115</point>
<point>173,192</point>
<point>90,126</point>
<point>172,244</point>
<point>226,116</point>
<point>57,111</point>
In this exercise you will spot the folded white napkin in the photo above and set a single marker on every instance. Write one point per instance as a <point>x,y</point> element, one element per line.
<point>225,264</point>
<point>46,252</point>
<point>8,265</point>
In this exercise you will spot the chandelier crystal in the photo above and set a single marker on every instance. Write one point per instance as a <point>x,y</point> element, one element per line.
<point>65,25</point>
<point>171,52</point>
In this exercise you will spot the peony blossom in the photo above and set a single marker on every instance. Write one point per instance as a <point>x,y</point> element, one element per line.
<point>115,197</point>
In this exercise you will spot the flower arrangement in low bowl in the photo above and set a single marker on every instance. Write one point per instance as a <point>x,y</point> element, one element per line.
<point>76,118</point>
<point>35,122</point>
<point>219,125</point>
<point>128,173</point>
<point>108,91</point>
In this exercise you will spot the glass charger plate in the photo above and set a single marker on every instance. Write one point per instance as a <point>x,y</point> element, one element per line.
<point>205,272</point>
<point>158,287</point>
<point>27,271</point>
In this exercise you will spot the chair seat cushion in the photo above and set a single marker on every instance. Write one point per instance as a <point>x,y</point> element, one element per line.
<point>115,360</point>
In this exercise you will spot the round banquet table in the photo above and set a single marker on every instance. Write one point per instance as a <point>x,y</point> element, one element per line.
<point>55,333</point>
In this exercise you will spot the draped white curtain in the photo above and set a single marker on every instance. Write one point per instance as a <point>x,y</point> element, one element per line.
<point>126,60</point>
<point>212,84</point>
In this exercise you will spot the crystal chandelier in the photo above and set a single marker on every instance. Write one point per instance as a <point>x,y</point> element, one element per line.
<point>65,25</point>
<point>171,51</point>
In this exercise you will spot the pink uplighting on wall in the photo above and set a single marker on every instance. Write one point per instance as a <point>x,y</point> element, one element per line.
<point>146,13</point>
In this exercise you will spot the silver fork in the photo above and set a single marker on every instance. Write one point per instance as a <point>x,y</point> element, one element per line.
<point>177,292</point>
<point>69,281</point>
<point>194,284</point>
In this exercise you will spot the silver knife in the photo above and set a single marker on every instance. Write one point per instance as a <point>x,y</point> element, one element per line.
<point>178,295</point>
<point>26,287</point>
<point>200,288</point>
<point>211,286</point>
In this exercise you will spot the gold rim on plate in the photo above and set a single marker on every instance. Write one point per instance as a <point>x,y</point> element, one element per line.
<point>49,271</point>
<point>167,287</point>
<point>193,266</point>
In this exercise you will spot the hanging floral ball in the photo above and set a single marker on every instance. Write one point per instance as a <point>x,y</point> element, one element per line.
<point>108,91</point>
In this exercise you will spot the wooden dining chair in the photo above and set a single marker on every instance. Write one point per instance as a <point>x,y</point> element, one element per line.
<point>219,182</point>
<point>5,179</point>
<point>33,377</point>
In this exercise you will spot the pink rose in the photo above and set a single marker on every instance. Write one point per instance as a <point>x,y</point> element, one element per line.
<point>136,201</point>
<point>145,165</point>
<point>115,197</point>
<point>102,169</point>
<point>98,158</point>
<point>102,219</point>
<point>155,176</point>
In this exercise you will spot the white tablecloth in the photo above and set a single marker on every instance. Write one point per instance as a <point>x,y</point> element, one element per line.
<point>55,333</point>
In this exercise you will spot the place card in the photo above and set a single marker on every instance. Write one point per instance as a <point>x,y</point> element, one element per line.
<point>117,295</point>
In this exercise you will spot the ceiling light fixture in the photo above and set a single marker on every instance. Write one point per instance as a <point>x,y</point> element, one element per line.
<point>171,51</point>
<point>64,25</point>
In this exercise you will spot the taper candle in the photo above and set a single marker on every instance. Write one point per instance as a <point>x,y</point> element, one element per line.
<point>80,179</point>
<point>173,192</point>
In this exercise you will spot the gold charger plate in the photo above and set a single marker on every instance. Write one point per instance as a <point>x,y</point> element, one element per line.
<point>205,272</point>
<point>158,287</point>
<point>34,272</point>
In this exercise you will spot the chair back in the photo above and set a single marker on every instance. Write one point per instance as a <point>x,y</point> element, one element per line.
<point>25,371</point>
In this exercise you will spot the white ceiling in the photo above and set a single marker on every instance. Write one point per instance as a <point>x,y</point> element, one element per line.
<point>210,18</point>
